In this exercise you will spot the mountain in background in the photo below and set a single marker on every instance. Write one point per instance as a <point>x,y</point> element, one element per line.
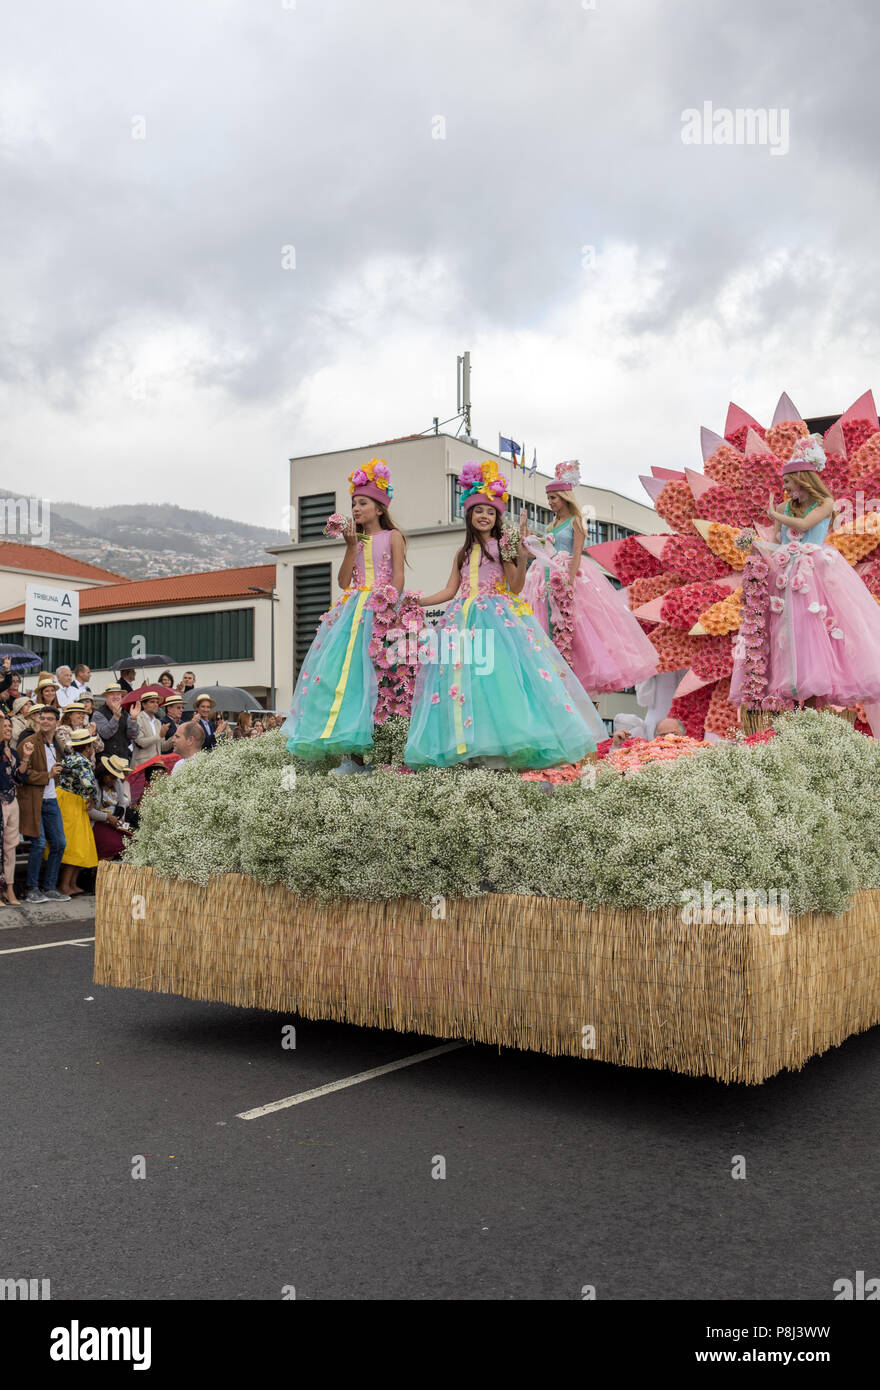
<point>148,541</point>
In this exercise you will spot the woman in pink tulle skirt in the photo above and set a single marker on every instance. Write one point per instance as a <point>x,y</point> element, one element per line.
<point>811,628</point>
<point>587,619</point>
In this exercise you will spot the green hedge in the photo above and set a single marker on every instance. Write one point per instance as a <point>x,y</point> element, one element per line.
<point>797,814</point>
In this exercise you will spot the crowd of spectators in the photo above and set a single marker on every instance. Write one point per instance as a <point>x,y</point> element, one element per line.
<point>74,765</point>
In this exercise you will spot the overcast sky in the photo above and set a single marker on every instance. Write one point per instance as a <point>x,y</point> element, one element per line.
<point>155,347</point>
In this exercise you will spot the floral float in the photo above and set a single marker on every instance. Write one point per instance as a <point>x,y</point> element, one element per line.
<point>696,587</point>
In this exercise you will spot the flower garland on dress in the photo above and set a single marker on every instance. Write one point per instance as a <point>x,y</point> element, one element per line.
<point>754,636</point>
<point>393,649</point>
<point>563,626</point>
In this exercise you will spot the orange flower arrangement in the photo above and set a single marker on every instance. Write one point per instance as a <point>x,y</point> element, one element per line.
<point>675,650</point>
<point>655,750</point>
<point>853,544</point>
<point>721,538</point>
<point>866,459</point>
<point>724,616</point>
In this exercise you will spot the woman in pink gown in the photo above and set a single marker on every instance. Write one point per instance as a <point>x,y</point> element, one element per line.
<point>588,620</point>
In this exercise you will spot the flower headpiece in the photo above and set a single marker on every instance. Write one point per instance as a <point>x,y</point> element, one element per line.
<point>372,480</point>
<point>807,455</point>
<point>568,475</point>
<point>483,483</point>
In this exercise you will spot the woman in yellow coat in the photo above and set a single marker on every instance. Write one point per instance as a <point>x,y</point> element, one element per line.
<point>76,787</point>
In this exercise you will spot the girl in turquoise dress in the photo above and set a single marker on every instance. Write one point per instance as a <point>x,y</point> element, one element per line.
<point>491,684</point>
<point>343,676</point>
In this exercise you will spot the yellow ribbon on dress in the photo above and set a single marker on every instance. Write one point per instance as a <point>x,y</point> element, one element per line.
<point>473,577</point>
<point>352,636</point>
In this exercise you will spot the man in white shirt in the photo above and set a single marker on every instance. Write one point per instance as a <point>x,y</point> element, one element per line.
<point>67,691</point>
<point>188,741</point>
<point>81,677</point>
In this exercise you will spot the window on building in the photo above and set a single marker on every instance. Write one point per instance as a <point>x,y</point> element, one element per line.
<point>222,635</point>
<point>312,590</point>
<point>313,513</point>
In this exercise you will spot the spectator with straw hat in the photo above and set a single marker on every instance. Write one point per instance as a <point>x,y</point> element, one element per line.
<point>117,728</point>
<point>107,812</point>
<point>77,787</point>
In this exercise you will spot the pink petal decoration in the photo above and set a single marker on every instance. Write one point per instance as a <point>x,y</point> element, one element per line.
<point>863,409</point>
<point>650,612</point>
<point>654,545</point>
<point>785,410</point>
<point>755,445</point>
<point>653,486</point>
<point>736,416</point>
<point>688,684</point>
<point>709,442</point>
<point>834,440</point>
<point>605,553</point>
<point>698,483</point>
<point>729,581</point>
<point>667,474</point>
<point>702,526</point>
<point>765,532</point>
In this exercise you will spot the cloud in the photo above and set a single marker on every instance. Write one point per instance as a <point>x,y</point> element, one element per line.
<point>155,266</point>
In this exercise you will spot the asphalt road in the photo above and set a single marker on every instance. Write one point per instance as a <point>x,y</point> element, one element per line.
<point>559,1173</point>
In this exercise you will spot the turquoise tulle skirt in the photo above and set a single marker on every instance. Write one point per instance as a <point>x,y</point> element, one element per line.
<point>335,695</point>
<point>498,688</point>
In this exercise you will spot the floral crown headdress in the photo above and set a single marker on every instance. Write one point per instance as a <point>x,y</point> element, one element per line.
<point>481,482</point>
<point>568,475</point>
<point>372,479</point>
<point>807,456</point>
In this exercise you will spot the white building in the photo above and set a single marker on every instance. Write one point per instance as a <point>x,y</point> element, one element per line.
<point>424,473</point>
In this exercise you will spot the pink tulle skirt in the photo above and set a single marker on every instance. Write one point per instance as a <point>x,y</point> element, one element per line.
<point>609,651</point>
<point>823,626</point>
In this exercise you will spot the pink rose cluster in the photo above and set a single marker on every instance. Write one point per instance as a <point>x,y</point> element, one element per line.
<point>713,658</point>
<point>737,437</point>
<point>470,474</point>
<point>855,432</point>
<point>683,606</point>
<point>691,710</point>
<point>691,557</point>
<point>633,561</point>
<point>724,504</point>
<point>359,478</point>
<point>675,503</point>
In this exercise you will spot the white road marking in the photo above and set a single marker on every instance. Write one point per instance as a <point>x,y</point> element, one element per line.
<point>46,946</point>
<point>347,1081</point>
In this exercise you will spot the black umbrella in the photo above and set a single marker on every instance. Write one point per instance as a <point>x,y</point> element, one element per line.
<point>229,699</point>
<point>22,658</point>
<point>134,662</point>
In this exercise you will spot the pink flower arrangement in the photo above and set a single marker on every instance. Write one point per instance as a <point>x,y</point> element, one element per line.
<point>725,466</point>
<point>563,619</point>
<point>633,561</point>
<point>762,473</point>
<point>359,477</point>
<point>470,474</point>
<point>675,649</point>
<point>713,658</point>
<point>737,437</point>
<point>683,606</point>
<point>644,590</point>
<point>782,438</point>
<point>333,526</point>
<point>640,752</point>
<point>691,710</point>
<point>866,459</point>
<point>855,432</point>
<point>724,505</point>
<point>691,557</point>
<point>675,503</point>
<point>722,718</point>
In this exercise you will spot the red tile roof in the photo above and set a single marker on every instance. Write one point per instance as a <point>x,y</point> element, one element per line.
<point>15,555</point>
<point>203,587</point>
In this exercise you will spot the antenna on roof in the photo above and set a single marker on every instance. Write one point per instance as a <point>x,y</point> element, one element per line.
<point>463,387</point>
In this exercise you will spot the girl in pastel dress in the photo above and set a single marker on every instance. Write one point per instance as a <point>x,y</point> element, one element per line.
<point>491,684</point>
<point>584,615</point>
<point>345,684</point>
<point>811,628</point>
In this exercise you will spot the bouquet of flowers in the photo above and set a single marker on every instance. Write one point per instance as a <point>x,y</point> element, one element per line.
<point>509,544</point>
<point>333,528</point>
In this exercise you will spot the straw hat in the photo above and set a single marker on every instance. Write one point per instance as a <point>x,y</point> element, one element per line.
<point>112,690</point>
<point>80,737</point>
<point>197,699</point>
<point>74,705</point>
<point>44,680</point>
<point>173,700</point>
<point>118,766</point>
<point>37,709</point>
<point>19,703</point>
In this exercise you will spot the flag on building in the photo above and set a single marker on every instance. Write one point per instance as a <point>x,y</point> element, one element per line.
<point>508,446</point>
<point>534,467</point>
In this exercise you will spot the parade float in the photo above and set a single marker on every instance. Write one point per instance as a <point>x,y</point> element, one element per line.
<point>713,910</point>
